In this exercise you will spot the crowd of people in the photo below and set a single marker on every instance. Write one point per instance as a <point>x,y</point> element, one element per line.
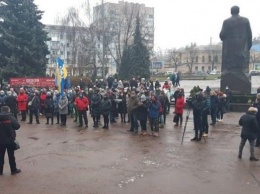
<point>138,102</point>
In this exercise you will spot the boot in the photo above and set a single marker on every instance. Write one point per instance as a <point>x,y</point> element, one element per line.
<point>253,159</point>
<point>194,139</point>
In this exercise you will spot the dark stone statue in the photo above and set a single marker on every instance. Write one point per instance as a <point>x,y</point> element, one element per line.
<point>236,35</point>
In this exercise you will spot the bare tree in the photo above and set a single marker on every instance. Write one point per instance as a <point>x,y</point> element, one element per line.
<point>191,53</point>
<point>174,56</point>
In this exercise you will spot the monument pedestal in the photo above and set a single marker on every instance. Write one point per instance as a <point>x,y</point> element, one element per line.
<point>237,82</point>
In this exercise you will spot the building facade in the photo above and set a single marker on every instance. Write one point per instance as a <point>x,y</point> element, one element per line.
<point>116,23</point>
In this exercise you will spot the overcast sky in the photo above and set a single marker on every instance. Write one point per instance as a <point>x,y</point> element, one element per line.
<point>177,22</point>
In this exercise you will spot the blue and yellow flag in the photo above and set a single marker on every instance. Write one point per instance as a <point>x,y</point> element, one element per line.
<point>61,75</point>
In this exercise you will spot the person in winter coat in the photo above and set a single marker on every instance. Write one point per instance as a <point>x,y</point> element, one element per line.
<point>8,126</point>
<point>63,109</point>
<point>221,106</point>
<point>213,107</point>
<point>143,114</point>
<point>81,103</point>
<point>2,98</point>
<point>43,96</point>
<point>153,113</point>
<point>49,108</point>
<point>249,132</point>
<point>257,105</point>
<point>197,107</point>
<point>179,107</point>
<point>205,113</point>
<point>132,111</point>
<point>34,106</point>
<point>22,100</point>
<point>122,108</point>
<point>56,99</point>
<point>12,103</point>
<point>96,106</point>
<point>105,110</point>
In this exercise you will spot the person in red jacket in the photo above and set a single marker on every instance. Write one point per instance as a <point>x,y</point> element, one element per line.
<point>179,109</point>
<point>166,86</point>
<point>22,100</point>
<point>43,97</point>
<point>81,103</point>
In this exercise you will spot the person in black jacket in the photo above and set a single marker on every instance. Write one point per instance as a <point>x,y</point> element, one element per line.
<point>249,132</point>
<point>12,103</point>
<point>34,107</point>
<point>8,125</point>
<point>105,110</point>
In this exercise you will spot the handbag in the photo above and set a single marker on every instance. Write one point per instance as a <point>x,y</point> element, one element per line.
<point>175,119</point>
<point>16,145</point>
<point>30,102</point>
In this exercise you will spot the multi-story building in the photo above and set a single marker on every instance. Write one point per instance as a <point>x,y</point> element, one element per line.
<point>116,23</point>
<point>60,46</point>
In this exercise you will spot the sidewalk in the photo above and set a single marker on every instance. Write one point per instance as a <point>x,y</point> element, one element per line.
<point>56,160</point>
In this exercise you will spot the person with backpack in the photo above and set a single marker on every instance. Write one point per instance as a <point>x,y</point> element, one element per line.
<point>49,108</point>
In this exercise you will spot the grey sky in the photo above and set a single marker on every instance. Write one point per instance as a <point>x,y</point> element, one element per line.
<point>177,22</point>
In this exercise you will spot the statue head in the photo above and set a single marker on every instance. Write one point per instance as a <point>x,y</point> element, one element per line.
<point>235,10</point>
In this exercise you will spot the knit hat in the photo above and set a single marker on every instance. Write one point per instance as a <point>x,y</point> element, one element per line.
<point>143,98</point>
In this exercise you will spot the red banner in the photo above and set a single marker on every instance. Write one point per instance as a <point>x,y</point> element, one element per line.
<point>32,82</point>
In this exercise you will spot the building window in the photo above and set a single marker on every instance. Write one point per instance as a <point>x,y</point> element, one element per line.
<point>54,52</point>
<point>68,44</point>
<point>197,59</point>
<point>196,68</point>
<point>209,68</point>
<point>68,53</point>
<point>203,59</point>
<point>150,16</point>
<point>202,68</point>
<point>61,36</point>
<point>209,58</point>
<point>61,52</point>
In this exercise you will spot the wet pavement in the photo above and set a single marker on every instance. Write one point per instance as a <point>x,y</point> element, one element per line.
<point>66,160</point>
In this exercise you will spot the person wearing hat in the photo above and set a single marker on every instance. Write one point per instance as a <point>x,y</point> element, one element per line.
<point>143,114</point>
<point>249,132</point>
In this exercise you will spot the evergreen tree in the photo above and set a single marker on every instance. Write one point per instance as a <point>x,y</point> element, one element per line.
<point>124,72</point>
<point>22,39</point>
<point>140,61</point>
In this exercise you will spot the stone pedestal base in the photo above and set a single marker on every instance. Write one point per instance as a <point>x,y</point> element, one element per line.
<point>237,82</point>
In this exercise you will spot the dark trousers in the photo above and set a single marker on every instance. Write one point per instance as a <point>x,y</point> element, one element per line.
<point>106,120</point>
<point>36,113</point>
<point>154,123</point>
<point>214,115</point>
<point>143,124</point>
<point>122,117</point>
<point>242,144</point>
<point>23,113</point>
<point>134,122</point>
<point>179,118</point>
<point>57,117</point>
<point>205,125</point>
<point>63,119</point>
<point>10,152</point>
<point>197,125</point>
<point>83,113</point>
<point>95,120</point>
<point>48,118</point>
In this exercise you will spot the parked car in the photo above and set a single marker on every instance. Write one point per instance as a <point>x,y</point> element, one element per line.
<point>215,72</point>
<point>254,72</point>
